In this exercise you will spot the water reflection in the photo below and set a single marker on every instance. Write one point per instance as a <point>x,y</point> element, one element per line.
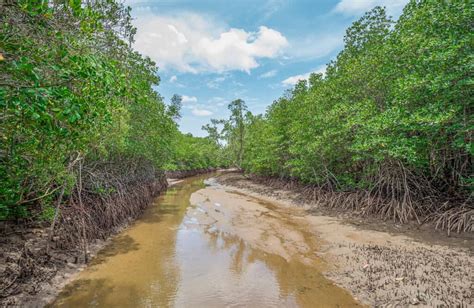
<point>170,258</point>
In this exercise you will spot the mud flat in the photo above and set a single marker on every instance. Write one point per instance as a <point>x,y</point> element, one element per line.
<point>221,240</point>
<point>203,246</point>
<point>396,266</point>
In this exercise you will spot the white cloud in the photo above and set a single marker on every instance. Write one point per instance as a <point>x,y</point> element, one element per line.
<point>173,78</point>
<point>179,36</point>
<point>191,43</point>
<point>218,101</point>
<point>214,83</point>
<point>356,7</point>
<point>269,74</point>
<point>201,112</point>
<point>239,50</point>
<point>291,81</point>
<point>189,99</point>
<point>313,47</point>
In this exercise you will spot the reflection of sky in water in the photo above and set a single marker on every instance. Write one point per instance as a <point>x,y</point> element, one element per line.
<point>172,256</point>
<point>216,270</point>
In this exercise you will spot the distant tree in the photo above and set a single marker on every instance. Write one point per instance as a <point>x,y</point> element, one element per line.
<point>174,108</point>
<point>213,131</point>
<point>236,127</point>
<point>392,115</point>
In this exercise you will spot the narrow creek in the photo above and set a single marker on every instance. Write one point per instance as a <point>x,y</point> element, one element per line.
<point>199,246</point>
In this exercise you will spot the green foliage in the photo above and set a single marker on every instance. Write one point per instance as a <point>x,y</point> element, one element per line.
<point>398,92</point>
<point>71,86</point>
<point>230,134</point>
<point>193,153</point>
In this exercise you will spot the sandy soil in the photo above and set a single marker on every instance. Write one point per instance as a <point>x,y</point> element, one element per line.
<point>380,268</point>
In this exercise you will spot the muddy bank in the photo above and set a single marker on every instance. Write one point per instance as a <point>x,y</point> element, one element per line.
<point>32,278</point>
<point>36,262</point>
<point>203,246</point>
<point>304,196</point>
<point>399,206</point>
<point>247,244</point>
<point>379,263</point>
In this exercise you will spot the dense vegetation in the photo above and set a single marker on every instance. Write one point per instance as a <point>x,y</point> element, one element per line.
<point>80,119</point>
<point>86,140</point>
<point>387,130</point>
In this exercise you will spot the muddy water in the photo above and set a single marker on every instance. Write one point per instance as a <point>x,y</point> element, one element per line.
<point>189,255</point>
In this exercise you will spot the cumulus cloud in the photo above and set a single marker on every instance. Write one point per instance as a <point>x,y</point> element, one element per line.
<point>191,103</point>
<point>189,99</point>
<point>356,7</point>
<point>192,43</point>
<point>201,112</point>
<point>291,81</point>
<point>269,74</point>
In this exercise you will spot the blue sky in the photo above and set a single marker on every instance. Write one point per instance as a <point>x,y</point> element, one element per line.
<point>212,52</point>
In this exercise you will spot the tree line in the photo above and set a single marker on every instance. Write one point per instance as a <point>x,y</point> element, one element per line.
<point>386,130</point>
<point>79,114</point>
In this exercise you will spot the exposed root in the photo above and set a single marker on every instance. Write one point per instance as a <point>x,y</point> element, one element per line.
<point>106,197</point>
<point>112,195</point>
<point>398,195</point>
<point>457,219</point>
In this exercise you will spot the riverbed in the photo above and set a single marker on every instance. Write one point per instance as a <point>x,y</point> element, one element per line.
<point>195,248</point>
<point>203,244</point>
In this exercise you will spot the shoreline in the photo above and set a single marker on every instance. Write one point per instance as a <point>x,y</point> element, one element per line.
<point>62,269</point>
<point>380,264</point>
<point>377,262</point>
<point>295,198</point>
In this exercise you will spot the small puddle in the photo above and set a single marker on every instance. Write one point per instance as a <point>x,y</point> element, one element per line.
<point>170,258</point>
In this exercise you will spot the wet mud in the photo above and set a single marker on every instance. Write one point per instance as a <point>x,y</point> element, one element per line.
<point>206,244</point>
<point>195,248</point>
